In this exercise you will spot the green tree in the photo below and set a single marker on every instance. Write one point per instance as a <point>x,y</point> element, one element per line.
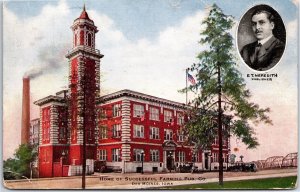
<point>19,166</point>
<point>222,97</point>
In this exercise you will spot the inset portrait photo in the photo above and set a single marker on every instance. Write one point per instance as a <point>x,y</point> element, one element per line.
<point>261,38</point>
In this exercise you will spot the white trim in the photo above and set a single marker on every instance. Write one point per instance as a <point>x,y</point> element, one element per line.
<point>122,98</point>
<point>129,143</point>
<point>155,101</point>
<point>88,52</point>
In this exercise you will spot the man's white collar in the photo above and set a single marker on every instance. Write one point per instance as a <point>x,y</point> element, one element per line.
<point>263,41</point>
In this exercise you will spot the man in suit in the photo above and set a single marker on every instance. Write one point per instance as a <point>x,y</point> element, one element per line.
<point>264,53</point>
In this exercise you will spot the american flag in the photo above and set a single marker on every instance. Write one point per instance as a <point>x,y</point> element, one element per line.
<point>191,79</point>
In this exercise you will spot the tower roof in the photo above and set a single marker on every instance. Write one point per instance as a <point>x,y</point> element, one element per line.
<point>84,14</point>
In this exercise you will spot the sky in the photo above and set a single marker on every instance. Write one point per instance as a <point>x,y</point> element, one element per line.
<point>147,46</point>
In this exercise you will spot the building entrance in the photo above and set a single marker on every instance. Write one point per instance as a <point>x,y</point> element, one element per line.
<point>206,161</point>
<point>170,161</point>
<point>169,155</point>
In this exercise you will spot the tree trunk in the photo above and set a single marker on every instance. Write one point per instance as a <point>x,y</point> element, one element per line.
<point>220,134</point>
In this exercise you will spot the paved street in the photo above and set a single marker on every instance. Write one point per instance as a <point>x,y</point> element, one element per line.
<point>138,181</point>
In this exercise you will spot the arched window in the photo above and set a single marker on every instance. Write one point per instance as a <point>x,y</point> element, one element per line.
<point>89,39</point>
<point>75,40</point>
<point>81,37</point>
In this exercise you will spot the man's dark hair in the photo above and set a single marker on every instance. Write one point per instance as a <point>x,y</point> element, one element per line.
<point>270,16</point>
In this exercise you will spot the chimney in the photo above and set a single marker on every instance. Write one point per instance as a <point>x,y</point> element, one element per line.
<point>25,111</point>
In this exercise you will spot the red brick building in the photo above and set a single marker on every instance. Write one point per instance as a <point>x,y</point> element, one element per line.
<point>125,129</point>
<point>132,124</point>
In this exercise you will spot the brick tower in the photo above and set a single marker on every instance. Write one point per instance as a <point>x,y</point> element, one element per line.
<point>25,123</point>
<point>84,88</point>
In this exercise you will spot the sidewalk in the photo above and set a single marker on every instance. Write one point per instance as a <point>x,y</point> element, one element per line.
<point>141,181</point>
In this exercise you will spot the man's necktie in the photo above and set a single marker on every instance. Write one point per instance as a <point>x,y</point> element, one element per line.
<point>256,52</point>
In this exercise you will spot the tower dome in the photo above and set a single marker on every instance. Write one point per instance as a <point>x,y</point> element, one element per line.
<point>84,14</point>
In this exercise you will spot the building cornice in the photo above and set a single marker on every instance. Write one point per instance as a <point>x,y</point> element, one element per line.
<point>48,99</point>
<point>87,22</point>
<point>84,50</point>
<point>142,96</point>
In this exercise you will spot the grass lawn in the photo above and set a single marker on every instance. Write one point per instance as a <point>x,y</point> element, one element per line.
<point>268,183</point>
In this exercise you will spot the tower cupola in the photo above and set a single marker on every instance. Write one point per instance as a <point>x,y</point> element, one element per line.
<point>84,31</point>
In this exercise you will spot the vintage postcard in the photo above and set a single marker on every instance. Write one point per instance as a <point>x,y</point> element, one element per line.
<point>163,94</point>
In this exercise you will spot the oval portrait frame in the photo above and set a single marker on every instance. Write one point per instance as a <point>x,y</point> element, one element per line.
<point>245,35</point>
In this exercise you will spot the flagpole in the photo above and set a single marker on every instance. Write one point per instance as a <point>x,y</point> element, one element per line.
<point>186,86</point>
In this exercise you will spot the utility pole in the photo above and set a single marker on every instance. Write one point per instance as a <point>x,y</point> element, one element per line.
<point>220,134</point>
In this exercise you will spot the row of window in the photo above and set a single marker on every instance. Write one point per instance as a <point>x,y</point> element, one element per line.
<point>215,157</point>
<point>216,141</point>
<point>139,111</point>
<point>138,155</point>
<point>63,134</point>
<point>116,131</point>
<point>139,132</point>
<point>79,38</point>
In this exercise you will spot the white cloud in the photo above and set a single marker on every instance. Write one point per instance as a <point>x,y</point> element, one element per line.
<point>292,29</point>
<point>150,66</point>
<point>296,2</point>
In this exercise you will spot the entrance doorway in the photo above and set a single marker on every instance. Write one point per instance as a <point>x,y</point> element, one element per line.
<point>170,161</point>
<point>169,155</point>
<point>206,161</point>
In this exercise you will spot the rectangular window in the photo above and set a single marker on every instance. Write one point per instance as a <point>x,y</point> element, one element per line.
<point>168,135</point>
<point>223,127</point>
<point>137,154</point>
<point>154,155</point>
<point>138,110</point>
<point>181,156</point>
<point>180,135</point>
<point>224,157</point>
<point>102,155</point>
<point>215,141</point>
<point>180,119</point>
<point>138,131</point>
<point>224,141</point>
<point>102,114</point>
<point>103,132</point>
<point>154,114</point>
<point>181,138</point>
<point>89,133</point>
<point>116,155</point>
<point>47,133</point>
<point>196,157</point>
<point>46,124</point>
<point>215,157</point>
<point>154,133</point>
<point>117,110</point>
<point>46,157</point>
<point>168,116</point>
<point>116,130</point>
<point>62,133</point>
